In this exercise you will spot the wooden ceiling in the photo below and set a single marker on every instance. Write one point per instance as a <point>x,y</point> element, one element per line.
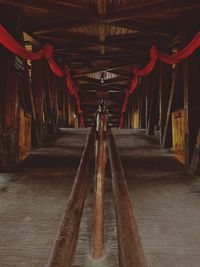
<point>95,36</point>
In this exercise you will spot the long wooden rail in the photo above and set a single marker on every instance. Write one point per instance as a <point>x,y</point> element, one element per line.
<point>129,245</point>
<point>64,247</point>
<point>98,216</point>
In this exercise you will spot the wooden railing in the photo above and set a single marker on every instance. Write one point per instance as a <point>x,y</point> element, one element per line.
<point>130,249</point>
<point>64,247</point>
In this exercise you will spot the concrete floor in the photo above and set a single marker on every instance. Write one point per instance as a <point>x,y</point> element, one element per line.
<point>33,199</point>
<point>165,198</point>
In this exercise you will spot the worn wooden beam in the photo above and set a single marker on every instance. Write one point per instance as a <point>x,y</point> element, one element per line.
<point>151,13</point>
<point>195,162</point>
<point>98,217</point>
<point>167,136</point>
<point>165,81</point>
<point>129,244</point>
<point>60,9</point>
<point>153,108</point>
<point>59,26</point>
<point>65,244</point>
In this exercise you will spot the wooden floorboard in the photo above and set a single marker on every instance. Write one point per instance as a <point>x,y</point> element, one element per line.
<point>33,199</point>
<point>165,198</point>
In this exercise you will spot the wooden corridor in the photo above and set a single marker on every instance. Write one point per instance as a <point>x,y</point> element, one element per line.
<point>164,197</point>
<point>99,133</point>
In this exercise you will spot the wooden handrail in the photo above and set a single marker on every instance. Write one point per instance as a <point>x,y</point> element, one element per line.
<point>130,249</point>
<point>98,217</point>
<point>64,247</point>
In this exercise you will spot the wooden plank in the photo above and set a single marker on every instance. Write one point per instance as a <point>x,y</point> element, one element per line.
<point>195,162</point>
<point>165,81</point>
<point>153,105</point>
<point>142,106</point>
<point>129,244</point>
<point>63,249</point>
<point>178,134</point>
<point>60,9</point>
<point>98,217</point>
<point>167,141</point>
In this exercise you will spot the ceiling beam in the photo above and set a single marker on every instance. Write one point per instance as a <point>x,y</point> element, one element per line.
<point>60,26</point>
<point>57,8</point>
<point>158,11</point>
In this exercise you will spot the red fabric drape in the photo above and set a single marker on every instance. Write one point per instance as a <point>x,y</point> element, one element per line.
<point>154,56</point>
<point>55,68</point>
<point>69,80</point>
<point>182,54</point>
<point>82,120</point>
<point>47,52</point>
<point>11,44</point>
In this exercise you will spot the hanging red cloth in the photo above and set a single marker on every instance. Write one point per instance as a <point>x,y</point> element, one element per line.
<point>168,59</point>
<point>69,80</point>
<point>11,44</point>
<point>182,54</point>
<point>55,68</point>
<point>82,120</point>
<point>47,52</point>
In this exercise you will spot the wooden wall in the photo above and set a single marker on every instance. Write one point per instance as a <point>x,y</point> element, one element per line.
<point>167,91</point>
<point>32,92</point>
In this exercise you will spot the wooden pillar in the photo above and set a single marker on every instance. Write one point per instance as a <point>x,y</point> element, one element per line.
<point>167,127</point>
<point>38,89</point>
<point>195,163</point>
<point>165,82</point>
<point>153,105</point>
<point>142,105</point>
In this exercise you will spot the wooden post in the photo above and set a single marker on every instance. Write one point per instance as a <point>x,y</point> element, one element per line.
<point>38,88</point>
<point>142,106</point>
<point>153,108</point>
<point>165,82</point>
<point>195,163</point>
<point>167,131</point>
<point>98,218</point>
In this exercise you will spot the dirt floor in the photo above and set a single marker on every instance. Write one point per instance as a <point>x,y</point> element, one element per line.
<point>32,200</point>
<point>165,198</point>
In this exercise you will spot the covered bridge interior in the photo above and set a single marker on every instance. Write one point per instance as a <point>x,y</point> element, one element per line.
<point>118,75</point>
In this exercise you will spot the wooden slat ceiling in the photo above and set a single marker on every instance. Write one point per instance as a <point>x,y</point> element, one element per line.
<point>105,36</point>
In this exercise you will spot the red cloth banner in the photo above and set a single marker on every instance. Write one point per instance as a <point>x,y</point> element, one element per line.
<point>47,52</point>
<point>11,44</point>
<point>154,56</point>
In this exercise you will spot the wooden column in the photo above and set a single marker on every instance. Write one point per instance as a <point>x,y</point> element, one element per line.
<point>165,81</point>
<point>38,89</point>
<point>167,127</point>
<point>153,105</point>
<point>195,163</point>
<point>142,106</point>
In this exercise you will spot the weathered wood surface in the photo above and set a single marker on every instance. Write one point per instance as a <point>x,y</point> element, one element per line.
<point>64,247</point>
<point>98,217</point>
<point>129,244</point>
<point>195,163</point>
